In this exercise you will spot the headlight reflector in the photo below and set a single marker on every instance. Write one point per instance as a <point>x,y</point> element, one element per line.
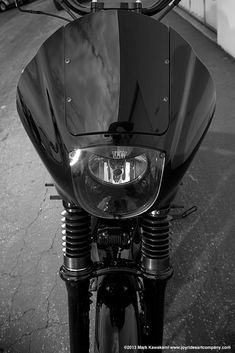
<point>117,171</point>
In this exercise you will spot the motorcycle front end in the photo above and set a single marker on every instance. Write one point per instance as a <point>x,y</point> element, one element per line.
<point>116,105</point>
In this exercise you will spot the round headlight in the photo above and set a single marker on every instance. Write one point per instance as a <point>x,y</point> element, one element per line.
<point>116,181</point>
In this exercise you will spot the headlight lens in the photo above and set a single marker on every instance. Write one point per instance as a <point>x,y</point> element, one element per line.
<point>119,170</point>
<point>116,181</point>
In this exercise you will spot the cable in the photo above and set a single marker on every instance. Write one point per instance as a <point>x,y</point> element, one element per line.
<point>39,12</point>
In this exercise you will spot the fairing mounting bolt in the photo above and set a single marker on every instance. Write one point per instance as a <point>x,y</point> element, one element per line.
<point>69,99</point>
<point>67,61</point>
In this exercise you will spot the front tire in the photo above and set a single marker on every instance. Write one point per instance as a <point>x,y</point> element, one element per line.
<point>117,323</point>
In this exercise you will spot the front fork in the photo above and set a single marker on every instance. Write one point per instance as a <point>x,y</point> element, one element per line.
<point>154,297</point>
<point>79,308</point>
<point>77,272</point>
<point>76,230</point>
<point>151,333</point>
<point>155,262</point>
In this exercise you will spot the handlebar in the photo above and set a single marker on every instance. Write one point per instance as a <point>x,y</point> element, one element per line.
<point>77,7</point>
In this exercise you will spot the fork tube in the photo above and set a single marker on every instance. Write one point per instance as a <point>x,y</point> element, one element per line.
<point>154,295</point>
<point>79,306</point>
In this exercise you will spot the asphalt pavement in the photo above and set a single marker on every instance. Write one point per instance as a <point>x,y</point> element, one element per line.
<point>200,300</point>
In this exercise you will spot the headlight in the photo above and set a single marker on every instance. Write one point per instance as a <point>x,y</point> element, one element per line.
<point>118,170</point>
<point>116,181</point>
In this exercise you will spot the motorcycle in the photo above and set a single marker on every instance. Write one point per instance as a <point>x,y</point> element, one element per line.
<point>116,105</point>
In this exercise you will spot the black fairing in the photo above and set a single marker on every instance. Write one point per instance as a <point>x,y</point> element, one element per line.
<point>116,71</point>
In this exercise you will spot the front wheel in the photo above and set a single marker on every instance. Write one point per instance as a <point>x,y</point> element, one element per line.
<point>129,318</point>
<point>117,316</point>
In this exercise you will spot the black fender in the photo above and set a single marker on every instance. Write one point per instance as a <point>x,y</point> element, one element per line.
<point>117,315</point>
